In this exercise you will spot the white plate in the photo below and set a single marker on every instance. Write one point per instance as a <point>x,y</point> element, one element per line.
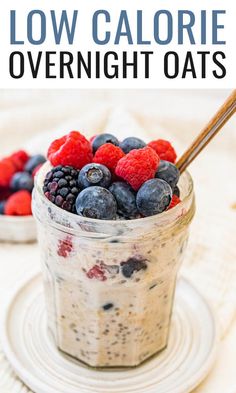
<point>178,369</point>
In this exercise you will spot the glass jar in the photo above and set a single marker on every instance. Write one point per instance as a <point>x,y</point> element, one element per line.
<point>109,285</point>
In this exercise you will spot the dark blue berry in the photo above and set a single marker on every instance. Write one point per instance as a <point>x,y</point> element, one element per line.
<point>94,175</point>
<point>108,306</point>
<point>168,172</point>
<point>2,206</point>
<point>101,139</point>
<point>132,265</point>
<point>176,191</point>
<point>96,202</point>
<point>153,197</point>
<point>131,143</point>
<point>125,198</point>
<point>33,162</point>
<point>22,181</point>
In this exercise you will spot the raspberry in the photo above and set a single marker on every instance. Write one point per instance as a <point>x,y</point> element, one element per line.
<point>138,166</point>
<point>19,204</point>
<point>174,201</point>
<point>164,149</point>
<point>65,247</point>
<point>61,188</point>
<point>108,155</point>
<point>97,272</point>
<point>7,170</point>
<point>72,149</point>
<point>19,159</point>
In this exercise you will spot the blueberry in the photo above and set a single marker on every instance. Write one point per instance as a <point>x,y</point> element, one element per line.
<point>22,181</point>
<point>132,265</point>
<point>153,197</point>
<point>2,206</point>
<point>125,198</point>
<point>131,143</point>
<point>94,175</point>
<point>176,191</point>
<point>107,306</point>
<point>96,202</point>
<point>33,162</point>
<point>168,172</point>
<point>101,139</point>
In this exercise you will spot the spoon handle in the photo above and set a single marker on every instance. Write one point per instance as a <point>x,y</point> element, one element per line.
<point>209,131</point>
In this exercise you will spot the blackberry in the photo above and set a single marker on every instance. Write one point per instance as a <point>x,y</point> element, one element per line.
<point>61,187</point>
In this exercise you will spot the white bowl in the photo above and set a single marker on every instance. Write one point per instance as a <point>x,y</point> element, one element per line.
<point>17,229</point>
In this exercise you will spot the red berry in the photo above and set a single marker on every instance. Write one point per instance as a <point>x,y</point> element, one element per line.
<point>19,159</point>
<point>19,204</point>
<point>108,155</point>
<point>174,201</point>
<point>7,170</point>
<point>72,149</point>
<point>138,166</point>
<point>164,149</point>
<point>97,272</point>
<point>65,247</point>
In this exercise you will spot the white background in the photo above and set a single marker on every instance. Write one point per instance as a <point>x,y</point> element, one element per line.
<point>84,42</point>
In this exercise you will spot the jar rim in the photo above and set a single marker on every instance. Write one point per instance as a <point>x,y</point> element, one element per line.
<point>157,219</point>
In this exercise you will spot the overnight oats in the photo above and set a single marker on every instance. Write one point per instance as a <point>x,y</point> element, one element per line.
<point>112,227</point>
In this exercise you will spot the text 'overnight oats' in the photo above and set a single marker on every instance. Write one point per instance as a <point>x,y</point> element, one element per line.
<point>113,220</point>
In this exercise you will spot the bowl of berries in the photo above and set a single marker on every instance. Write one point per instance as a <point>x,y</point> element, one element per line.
<point>17,173</point>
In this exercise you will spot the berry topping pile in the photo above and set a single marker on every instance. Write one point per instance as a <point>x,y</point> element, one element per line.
<point>17,173</point>
<point>105,179</point>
